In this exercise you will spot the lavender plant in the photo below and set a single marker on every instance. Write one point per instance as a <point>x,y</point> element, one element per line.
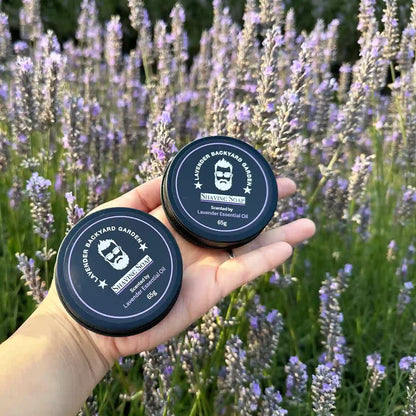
<point>296,380</point>
<point>41,210</point>
<point>377,372</point>
<point>74,212</point>
<point>325,383</point>
<point>30,274</point>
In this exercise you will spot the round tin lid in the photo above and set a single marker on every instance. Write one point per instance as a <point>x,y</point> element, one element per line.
<point>119,271</point>
<point>219,191</point>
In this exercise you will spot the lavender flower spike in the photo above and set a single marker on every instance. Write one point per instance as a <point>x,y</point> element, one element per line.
<point>391,29</point>
<point>5,37</point>
<point>40,205</point>
<point>74,212</point>
<point>113,44</point>
<point>408,365</point>
<point>263,338</point>
<point>331,319</point>
<point>51,106</point>
<point>30,274</point>
<point>25,109</point>
<point>296,380</point>
<point>235,361</point>
<point>376,371</point>
<point>162,148</point>
<point>248,399</point>
<point>157,372</point>
<point>30,20</point>
<point>359,177</point>
<point>270,404</point>
<point>73,142</point>
<point>407,206</point>
<point>324,386</point>
<point>140,21</point>
<point>403,297</point>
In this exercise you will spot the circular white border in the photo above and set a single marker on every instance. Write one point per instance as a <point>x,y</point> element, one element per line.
<point>104,314</point>
<point>203,225</point>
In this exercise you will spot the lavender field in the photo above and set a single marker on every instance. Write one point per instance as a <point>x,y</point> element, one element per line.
<point>331,332</point>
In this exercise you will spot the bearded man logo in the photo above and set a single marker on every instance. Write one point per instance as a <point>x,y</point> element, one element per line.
<point>113,254</point>
<point>223,172</point>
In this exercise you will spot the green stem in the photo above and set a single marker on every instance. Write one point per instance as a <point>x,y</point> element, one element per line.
<point>368,403</point>
<point>48,143</point>
<point>233,299</point>
<point>401,118</point>
<point>174,373</point>
<point>75,185</point>
<point>314,196</point>
<point>293,263</point>
<point>147,69</point>
<point>120,376</point>
<point>196,404</point>
<point>235,295</point>
<point>325,177</point>
<point>362,395</point>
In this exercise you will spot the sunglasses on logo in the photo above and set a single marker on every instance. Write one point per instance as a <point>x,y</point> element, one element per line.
<point>221,174</point>
<point>110,256</point>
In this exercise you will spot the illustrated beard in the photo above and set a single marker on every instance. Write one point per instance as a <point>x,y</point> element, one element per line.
<point>121,262</point>
<point>223,185</point>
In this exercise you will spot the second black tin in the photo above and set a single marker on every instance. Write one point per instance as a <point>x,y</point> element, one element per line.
<point>219,192</point>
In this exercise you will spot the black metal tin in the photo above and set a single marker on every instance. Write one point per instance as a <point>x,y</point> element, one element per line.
<point>219,192</point>
<point>119,271</point>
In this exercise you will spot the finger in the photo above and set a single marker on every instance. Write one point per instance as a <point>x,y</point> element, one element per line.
<point>145,197</point>
<point>286,187</point>
<point>239,270</point>
<point>292,233</point>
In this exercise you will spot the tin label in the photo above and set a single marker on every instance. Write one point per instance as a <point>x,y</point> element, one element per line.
<point>221,187</point>
<point>120,267</point>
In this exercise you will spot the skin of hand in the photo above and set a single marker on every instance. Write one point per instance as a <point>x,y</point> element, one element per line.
<point>74,359</point>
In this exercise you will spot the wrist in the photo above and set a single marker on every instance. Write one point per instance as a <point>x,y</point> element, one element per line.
<point>55,362</point>
<point>79,341</point>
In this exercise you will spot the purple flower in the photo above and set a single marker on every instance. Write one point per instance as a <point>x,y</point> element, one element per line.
<point>296,380</point>
<point>69,197</point>
<point>20,47</point>
<point>376,370</point>
<point>348,269</point>
<point>37,189</point>
<point>74,212</point>
<point>274,277</point>
<point>166,117</point>
<point>256,389</point>
<point>403,297</point>
<point>253,321</point>
<point>113,39</point>
<point>271,316</point>
<point>325,383</point>
<point>30,274</point>
<point>406,363</point>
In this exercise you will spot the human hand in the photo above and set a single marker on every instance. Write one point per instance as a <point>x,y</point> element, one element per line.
<point>209,274</point>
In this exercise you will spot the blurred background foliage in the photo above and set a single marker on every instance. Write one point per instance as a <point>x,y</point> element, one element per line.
<point>61,17</point>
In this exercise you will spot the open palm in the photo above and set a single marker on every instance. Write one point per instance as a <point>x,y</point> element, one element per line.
<point>209,274</point>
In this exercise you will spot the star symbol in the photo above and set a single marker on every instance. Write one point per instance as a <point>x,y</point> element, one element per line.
<point>102,284</point>
<point>247,190</point>
<point>198,185</point>
<point>143,247</point>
